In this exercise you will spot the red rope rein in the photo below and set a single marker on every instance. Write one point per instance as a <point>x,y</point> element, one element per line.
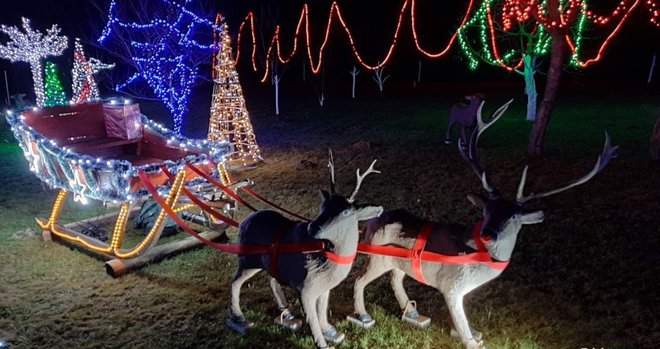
<point>416,255</point>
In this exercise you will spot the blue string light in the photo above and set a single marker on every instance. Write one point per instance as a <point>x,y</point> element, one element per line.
<point>164,63</point>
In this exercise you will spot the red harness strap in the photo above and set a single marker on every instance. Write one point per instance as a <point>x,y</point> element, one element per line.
<point>256,195</point>
<point>308,247</point>
<point>208,209</point>
<point>481,256</point>
<point>418,249</point>
<point>219,185</point>
<point>481,247</point>
<point>273,205</point>
<point>274,250</point>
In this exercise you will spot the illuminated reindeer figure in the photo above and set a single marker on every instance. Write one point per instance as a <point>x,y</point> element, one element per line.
<point>312,275</point>
<point>494,239</point>
<point>464,115</point>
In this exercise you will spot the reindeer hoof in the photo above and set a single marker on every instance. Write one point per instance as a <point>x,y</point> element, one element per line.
<point>477,345</point>
<point>333,336</point>
<point>239,324</point>
<point>364,321</point>
<point>414,318</point>
<point>288,321</point>
<point>478,336</point>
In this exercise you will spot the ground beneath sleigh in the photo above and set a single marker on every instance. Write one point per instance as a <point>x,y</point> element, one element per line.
<point>587,277</point>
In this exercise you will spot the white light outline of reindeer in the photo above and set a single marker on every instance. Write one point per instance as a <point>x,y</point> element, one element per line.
<point>321,275</point>
<point>455,281</point>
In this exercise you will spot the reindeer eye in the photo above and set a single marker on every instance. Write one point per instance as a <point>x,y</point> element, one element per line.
<point>345,213</point>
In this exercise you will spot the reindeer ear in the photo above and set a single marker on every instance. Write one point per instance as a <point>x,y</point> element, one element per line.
<point>477,200</point>
<point>324,194</point>
<point>532,218</point>
<point>368,212</point>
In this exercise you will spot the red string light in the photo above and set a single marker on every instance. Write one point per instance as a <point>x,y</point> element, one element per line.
<point>514,12</point>
<point>407,9</point>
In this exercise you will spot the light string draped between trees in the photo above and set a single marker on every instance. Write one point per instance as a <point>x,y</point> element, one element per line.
<point>514,12</point>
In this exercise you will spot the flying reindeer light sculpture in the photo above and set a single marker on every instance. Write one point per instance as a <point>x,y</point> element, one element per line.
<point>453,258</point>
<point>313,275</point>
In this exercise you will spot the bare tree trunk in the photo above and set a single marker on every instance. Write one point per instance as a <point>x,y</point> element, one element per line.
<point>652,70</point>
<point>38,78</point>
<point>537,136</point>
<point>276,80</point>
<point>530,86</point>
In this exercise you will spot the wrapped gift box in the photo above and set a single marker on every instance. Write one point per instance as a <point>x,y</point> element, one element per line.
<point>123,120</point>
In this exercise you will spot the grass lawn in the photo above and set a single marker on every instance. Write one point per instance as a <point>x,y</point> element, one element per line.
<point>586,277</point>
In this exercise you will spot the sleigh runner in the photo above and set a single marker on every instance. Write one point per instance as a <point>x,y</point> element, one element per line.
<point>111,152</point>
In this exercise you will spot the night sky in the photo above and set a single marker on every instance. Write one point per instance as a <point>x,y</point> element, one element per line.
<point>372,22</point>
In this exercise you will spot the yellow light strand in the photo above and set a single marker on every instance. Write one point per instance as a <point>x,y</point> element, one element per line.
<point>170,201</point>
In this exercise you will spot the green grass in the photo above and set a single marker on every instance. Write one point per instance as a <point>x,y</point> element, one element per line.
<point>584,278</point>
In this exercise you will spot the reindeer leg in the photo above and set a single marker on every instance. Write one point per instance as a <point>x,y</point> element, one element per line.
<point>376,267</point>
<point>449,128</point>
<point>285,319</point>
<point>463,135</point>
<point>237,321</point>
<point>329,332</point>
<point>409,308</point>
<point>397,285</point>
<point>455,304</point>
<point>309,305</point>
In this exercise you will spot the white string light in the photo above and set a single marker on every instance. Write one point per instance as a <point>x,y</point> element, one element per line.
<point>84,84</point>
<point>230,120</point>
<point>32,46</point>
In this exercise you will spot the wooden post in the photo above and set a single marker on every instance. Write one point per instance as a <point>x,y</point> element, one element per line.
<point>655,141</point>
<point>118,267</point>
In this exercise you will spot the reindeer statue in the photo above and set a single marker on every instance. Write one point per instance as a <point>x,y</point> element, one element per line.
<point>312,275</point>
<point>455,271</point>
<point>465,115</point>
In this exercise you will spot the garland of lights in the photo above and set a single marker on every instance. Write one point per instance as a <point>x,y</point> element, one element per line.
<point>120,171</point>
<point>84,84</point>
<point>32,46</point>
<point>516,11</point>
<point>528,19</point>
<point>164,62</point>
<point>230,121</point>
<point>53,90</point>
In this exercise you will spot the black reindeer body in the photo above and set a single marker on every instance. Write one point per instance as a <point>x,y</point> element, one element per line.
<point>446,238</point>
<point>292,268</point>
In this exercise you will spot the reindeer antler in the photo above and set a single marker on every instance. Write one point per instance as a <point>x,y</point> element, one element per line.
<point>331,166</point>
<point>360,178</point>
<point>471,155</point>
<point>609,153</point>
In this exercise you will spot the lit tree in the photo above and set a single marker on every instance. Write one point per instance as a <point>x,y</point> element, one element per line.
<point>32,46</point>
<point>230,120</point>
<point>84,84</point>
<point>513,34</point>
<point>165,48</point>
<point>54,92</point>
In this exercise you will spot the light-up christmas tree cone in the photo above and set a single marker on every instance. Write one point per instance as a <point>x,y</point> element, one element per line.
<point>230,120</point>
<point>54,92</point>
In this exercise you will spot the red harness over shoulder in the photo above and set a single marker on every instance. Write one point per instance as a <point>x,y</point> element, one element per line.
<point>417,254</point>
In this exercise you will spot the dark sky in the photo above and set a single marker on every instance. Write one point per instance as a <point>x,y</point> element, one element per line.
<point>371,20</point>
